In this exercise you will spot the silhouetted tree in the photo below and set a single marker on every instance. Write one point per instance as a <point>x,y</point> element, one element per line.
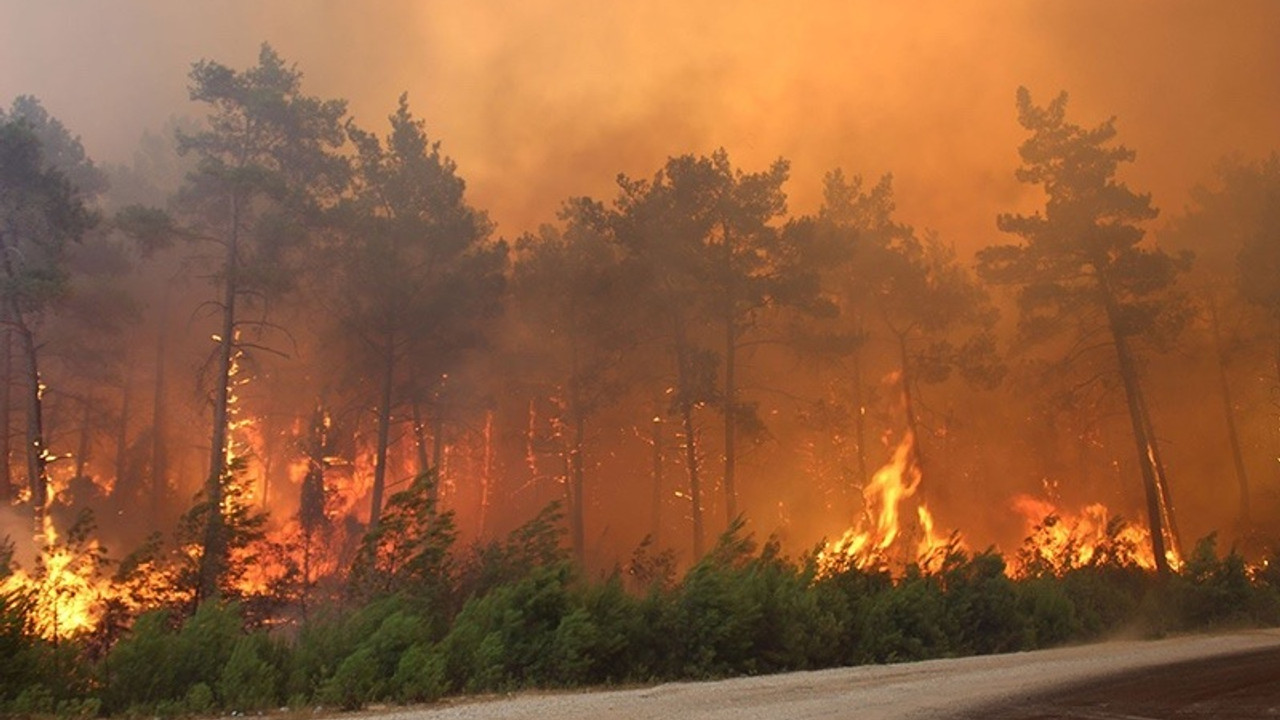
<point>416,272</point>
<point>41,213</point>
<point>1081,269</point>
<point>266,163</point>
<point>571,300</point>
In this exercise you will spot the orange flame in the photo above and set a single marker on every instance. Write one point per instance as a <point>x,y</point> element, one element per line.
<point>878,535</point>
<point>1059,540</point>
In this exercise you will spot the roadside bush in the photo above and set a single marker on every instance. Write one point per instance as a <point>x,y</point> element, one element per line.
<point>1211,591</point>
<point>1049,613</point>
<point>249,681</point>
<point>982,605</point>
<point>155,663</point>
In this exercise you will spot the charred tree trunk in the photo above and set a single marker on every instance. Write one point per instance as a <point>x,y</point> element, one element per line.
<point>384,434</point>
<point>37,452</point>
<point>1138,421</point>
<point>213,555</point>
<point>909,408</point>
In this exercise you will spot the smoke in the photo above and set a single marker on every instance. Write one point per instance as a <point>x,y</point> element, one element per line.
<point>540,101</point>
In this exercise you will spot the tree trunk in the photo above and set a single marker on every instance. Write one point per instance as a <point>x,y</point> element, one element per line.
<point>859,421</point>
<point>37,453</point>
<point>486,477</point>
<point>577,513</point>
<point>384,434</point>
<point>1229,411</point>
<point>1137,418</point>
<point>159,431</point>
<point>909,410</point>
<point>420,438</point>
<point>122,433</point>
<point>86,434</point>
<point>730,420</point>
<point>656,512</point>
<point>6,398</point>
<point>213,555</point>
<point>691,466</point>
<point>1162,480</point>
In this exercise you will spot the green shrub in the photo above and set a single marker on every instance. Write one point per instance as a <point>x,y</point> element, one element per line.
<point>982,605</point>
<point>248,680</point>
<point>354,682</point>
<point>1049,612</point>
<point>420,675</point>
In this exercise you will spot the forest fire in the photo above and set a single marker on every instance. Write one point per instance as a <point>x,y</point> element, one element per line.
<point>883,537</point>
<point>65,588</point>
<point>698,326</point>
<point>1059,540</point>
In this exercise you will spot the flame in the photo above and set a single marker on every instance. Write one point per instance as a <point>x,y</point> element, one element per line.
<point>1059,540</point>
<point>67,592</point>
<point>879,536</point>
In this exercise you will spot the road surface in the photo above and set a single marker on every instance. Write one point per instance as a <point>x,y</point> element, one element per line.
<point>1234,675</point>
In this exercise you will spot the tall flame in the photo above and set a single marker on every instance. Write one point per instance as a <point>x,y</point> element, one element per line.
<point>878,536</point>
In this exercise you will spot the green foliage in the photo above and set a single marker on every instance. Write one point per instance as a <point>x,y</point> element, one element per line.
<point>157,662</point>
<point>740,610</point>
<point>248,680</point>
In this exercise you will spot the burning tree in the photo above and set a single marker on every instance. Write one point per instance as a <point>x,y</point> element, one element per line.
<point>266,162</point>
<point>41,212</point>
<point>1082,272</point>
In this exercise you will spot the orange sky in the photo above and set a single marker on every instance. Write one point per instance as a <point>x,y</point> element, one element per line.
<point>545,99</point>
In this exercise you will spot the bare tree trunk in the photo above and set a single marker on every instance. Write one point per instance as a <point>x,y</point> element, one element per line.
<point>159,421</point>
<point>6,399</point>
<point>859,420</point>
<point>730,419</point>
<point>656,513</point>
<point>384,434</point>
<point>122,430</point>
<point>1138,421</point>
<point>420,438</point>
<point>577,512</point>
<point>695,484</point>
<point>1229,411</point>
<point>213,555</point>
<point>486,476</point>
<point>909,409</point>
<point>86,433</point>
<point>37,453</point>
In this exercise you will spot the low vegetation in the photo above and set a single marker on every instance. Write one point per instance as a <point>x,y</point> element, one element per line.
<point>518,614</point>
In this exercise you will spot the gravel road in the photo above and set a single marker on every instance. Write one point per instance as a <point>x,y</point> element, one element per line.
<point>1041,684</point>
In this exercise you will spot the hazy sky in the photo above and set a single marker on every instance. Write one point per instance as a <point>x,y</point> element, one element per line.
<point>542,99</point>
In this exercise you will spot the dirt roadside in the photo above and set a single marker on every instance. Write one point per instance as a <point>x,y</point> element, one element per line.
<point>951,688</point>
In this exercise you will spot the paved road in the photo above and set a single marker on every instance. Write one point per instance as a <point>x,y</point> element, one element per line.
<point>1235,686</point>
<point>1226,676</point>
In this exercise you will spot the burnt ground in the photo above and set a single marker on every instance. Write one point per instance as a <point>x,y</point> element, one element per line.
<point>1245,685</point>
